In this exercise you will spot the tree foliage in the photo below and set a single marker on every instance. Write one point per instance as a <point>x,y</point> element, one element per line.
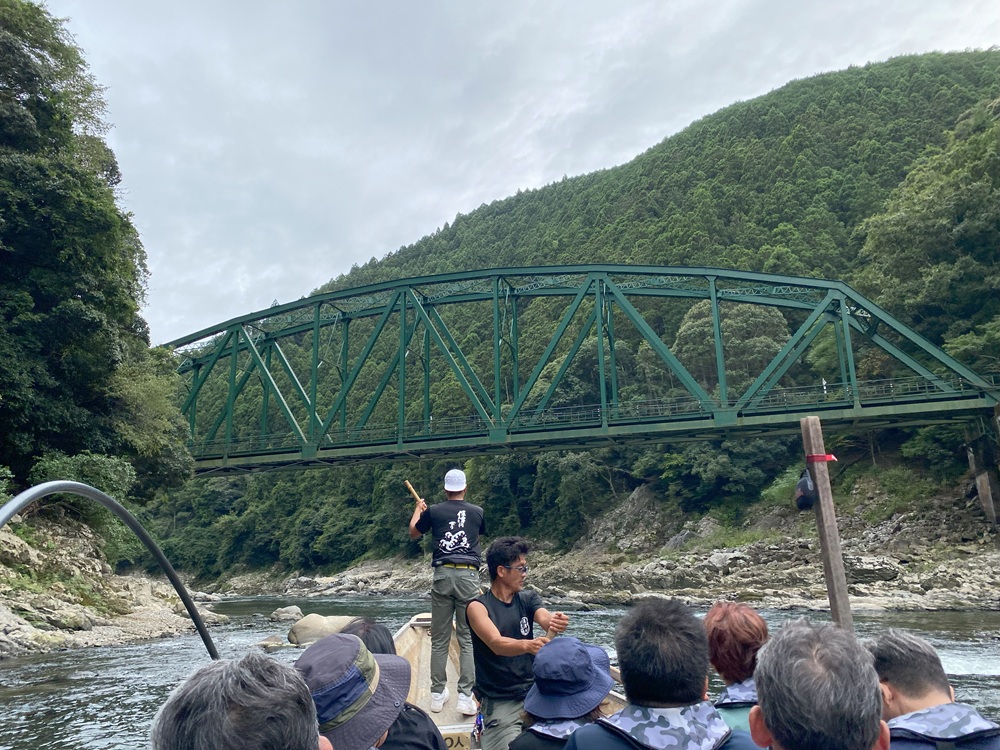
<point>76,372</point>
<point>932,257</point>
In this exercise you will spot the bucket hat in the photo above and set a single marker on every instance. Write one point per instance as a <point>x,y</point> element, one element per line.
<point>358,695</point>
<point>454,480</point>
<point>571,679</point>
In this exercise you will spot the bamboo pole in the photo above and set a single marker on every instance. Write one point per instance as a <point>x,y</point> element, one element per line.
<point>410,488</point>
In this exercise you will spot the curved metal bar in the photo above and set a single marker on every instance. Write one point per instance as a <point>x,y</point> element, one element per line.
<point>29,496</point>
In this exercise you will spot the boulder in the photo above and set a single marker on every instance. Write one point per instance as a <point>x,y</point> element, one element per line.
<point>14,551</point>
<point>312,627</point>
<point>272,643</point>
<point>283,614</point>
<point>207,616</point>
<point>863,569</point>
<point>679,540</point>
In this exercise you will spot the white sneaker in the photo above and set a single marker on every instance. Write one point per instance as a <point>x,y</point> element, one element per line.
<point>438,700</point>
<point>466,705</point>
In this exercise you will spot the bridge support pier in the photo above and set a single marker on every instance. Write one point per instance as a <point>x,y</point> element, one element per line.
<point>981,448</point>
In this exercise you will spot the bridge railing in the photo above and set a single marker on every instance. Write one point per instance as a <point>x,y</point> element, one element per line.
<point>820,396</point>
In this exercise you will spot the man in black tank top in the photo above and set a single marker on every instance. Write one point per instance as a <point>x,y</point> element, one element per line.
<point>503,640</point>
<point>455,526</point>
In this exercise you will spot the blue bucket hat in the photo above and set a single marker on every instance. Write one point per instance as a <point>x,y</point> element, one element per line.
<point>571,679</point>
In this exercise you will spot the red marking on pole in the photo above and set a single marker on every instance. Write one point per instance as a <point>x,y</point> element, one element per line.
<point>814,458</point>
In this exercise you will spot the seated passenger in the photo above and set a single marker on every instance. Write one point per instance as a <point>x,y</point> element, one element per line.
<point>572,681</point>
<point>817,690</point>
<point>663,657</point>
<point>253,703</point>
<point>735,635</point>
<point>918,702</point>
<point>358,695</point>
<point>413,729</point>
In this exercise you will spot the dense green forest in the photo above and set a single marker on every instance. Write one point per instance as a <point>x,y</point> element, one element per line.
<point>82,395</point>
<point>886,176</point>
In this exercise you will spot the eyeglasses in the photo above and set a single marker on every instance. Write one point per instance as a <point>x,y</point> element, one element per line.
<point>522,568</point>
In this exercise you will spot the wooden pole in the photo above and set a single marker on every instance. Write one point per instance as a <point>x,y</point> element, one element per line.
<point>410,488</point>
<point>826,523</point>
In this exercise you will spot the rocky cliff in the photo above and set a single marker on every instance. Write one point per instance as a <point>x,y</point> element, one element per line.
<point>57,591</point>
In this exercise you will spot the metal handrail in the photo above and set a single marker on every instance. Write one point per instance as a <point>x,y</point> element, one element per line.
<point>26,498</point>
<point>814,396</point>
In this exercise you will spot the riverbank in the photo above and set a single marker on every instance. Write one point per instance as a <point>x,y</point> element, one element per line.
<point>944,556</point>
<point>56,591</point>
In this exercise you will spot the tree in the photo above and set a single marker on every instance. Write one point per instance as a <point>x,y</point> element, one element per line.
<point>932,255</point>
<point>75,368</point>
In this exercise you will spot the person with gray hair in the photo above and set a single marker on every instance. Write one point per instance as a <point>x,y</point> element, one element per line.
<point>253,703</point>
<point>817,690</point>
<point>918,702</point>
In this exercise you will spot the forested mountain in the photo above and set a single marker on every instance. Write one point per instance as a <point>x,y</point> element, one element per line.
<point>778,184</point>
<point>884,176</point>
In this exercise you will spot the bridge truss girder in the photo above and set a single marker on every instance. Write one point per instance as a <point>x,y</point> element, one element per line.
<point>364,405</point>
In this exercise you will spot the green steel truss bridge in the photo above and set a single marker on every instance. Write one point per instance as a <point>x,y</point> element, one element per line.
<point>540,358</point>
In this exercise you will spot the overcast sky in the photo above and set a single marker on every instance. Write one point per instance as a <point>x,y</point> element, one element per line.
<point>267,147</point>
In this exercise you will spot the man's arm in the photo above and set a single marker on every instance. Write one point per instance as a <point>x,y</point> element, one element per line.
<point>418,508</point>
<point>554,621</point>
<point>479,620</point>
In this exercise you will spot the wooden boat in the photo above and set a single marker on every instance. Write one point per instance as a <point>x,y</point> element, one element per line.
<point>413,642</point>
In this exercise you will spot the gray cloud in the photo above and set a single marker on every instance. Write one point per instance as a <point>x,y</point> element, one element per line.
<point>268,147</point>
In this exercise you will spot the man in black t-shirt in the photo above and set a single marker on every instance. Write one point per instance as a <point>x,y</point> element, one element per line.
<point>502,622</point>
<point>455,526</point>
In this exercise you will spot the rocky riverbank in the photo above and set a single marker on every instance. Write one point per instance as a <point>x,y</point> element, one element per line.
<point>943,557</point>
<point>56,591</point>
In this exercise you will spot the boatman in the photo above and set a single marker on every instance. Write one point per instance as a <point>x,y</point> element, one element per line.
<point>504,642</point>
<point>455,526</point>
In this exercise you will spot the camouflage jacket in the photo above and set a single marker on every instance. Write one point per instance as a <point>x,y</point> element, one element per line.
<point>558,728</point>
<point>695,727</point>
<point>949,723</point>
<point>738,695</point>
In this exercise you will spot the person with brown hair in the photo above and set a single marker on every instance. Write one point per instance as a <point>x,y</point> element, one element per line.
<point>735,634</point>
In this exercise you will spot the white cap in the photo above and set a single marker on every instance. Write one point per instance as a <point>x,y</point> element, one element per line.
<point>454,481</point>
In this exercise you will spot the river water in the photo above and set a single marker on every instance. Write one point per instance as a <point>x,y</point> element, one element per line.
<point>91,699</point>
